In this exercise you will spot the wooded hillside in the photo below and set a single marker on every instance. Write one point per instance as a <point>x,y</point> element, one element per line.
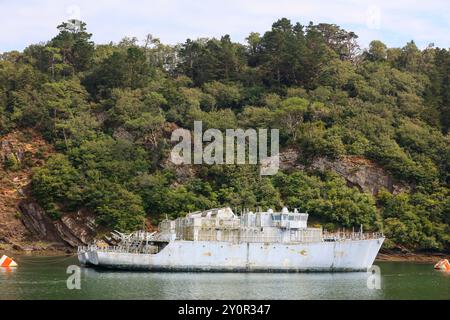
<point>109,110</point>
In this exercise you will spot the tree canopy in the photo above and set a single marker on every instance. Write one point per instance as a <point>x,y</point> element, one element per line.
<point>109,109</point>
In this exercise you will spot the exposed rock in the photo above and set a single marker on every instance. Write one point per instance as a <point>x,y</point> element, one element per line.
<point>6,149</point>
<point>289,159</point>
<point>73,228</point>
<point>80,225</point>
<point>363,173</point>
<point>5,240</point>
<point>122,133</point>
<point>17,247</point>
<point>360,172</point>
<point>66,234</point>
<point>22,220</point>
<point>19,152</point>
<point>37,222</point>
<point>182,172</point>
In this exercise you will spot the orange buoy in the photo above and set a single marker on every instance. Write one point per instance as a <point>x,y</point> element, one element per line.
<point>6,262</point>
<point>442,265</point>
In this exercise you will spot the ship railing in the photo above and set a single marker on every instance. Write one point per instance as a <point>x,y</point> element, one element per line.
<point>87,248</point>
<point>256,239</point>
<point>123,249</point>
<point>310,236</point>
<point>262,239</point>
<point>117,249</point>
<point>343,235</point>
<point>139,236</point>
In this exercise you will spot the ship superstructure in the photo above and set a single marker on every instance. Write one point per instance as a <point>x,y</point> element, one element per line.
<point>219,240</point>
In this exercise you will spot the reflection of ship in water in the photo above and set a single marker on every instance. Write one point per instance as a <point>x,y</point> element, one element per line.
<point>219,240</point>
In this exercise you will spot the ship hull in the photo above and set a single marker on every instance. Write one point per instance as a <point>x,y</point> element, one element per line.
<point>206,256</point>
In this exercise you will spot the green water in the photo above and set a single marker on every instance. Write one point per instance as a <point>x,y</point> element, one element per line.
<point>46,278</point>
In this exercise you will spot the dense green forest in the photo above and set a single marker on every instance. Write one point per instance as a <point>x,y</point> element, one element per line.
<point>109,110</point>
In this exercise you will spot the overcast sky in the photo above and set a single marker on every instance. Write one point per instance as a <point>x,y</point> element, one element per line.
<point>394,22</point>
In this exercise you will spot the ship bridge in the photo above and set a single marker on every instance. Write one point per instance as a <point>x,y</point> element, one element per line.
<point>224,225</point>
<point>283,219</point>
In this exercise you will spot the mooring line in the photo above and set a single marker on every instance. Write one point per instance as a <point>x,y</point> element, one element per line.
<point>39,260</point>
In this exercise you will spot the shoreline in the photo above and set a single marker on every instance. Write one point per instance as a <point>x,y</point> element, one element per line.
<point>41,249</point>
<point>418,257</point>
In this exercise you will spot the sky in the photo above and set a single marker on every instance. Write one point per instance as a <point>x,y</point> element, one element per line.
<point>394,22</point>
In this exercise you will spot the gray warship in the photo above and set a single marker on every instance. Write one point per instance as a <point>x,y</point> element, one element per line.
<point>219,240</point>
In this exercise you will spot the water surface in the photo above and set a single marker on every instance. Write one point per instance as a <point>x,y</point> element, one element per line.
<point>46,278</point>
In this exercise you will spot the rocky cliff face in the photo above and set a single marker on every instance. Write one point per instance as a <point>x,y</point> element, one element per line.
<point>72,229</point>
<point>16,153</point>
<point>366,175</point>
<point>23,223</point>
